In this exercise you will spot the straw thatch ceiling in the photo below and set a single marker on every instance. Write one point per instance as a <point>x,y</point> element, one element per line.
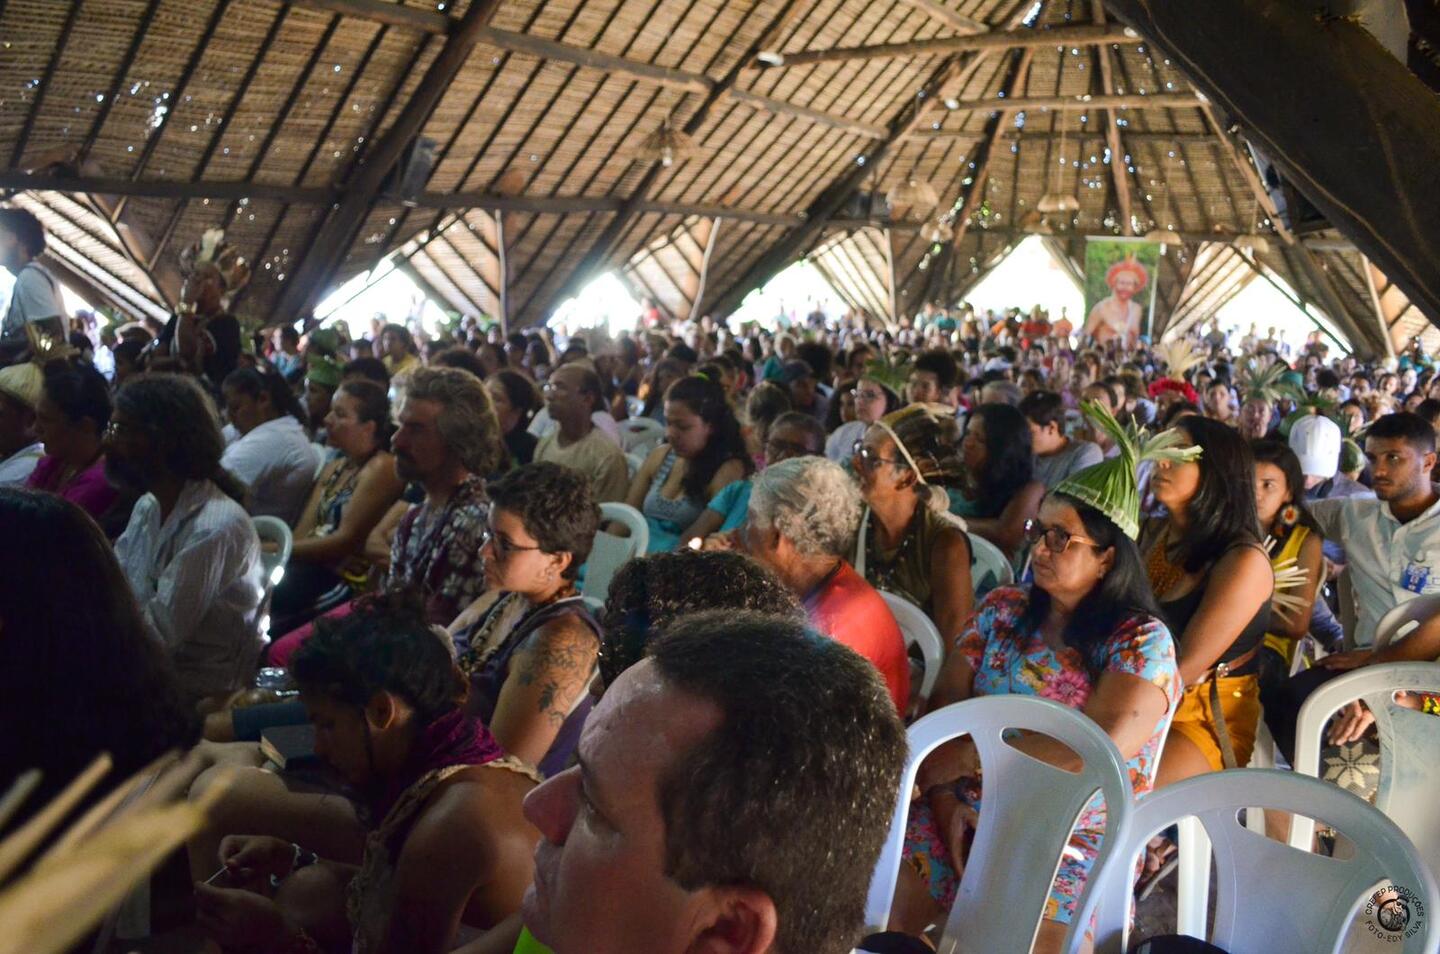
<point>278,121</point>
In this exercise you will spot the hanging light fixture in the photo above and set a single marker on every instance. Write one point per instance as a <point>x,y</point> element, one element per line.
<point>667,145</point>
<point>939,231</point>
<point>1055,201</point>
<point>1254,244</point>
<point>1034,222</point>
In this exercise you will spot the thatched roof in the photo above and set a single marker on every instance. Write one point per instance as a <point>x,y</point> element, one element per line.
<point>168,117</point>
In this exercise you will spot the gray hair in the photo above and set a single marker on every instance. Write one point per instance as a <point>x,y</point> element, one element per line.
<point>1001,392</point>
<point>467,421</point>
<point>811,501</point>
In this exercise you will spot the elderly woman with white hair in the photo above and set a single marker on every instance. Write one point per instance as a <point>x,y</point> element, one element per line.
<point>804,513</point>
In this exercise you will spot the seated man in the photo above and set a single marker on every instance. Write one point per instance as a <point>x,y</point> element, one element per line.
<point>1056,455</point>
<point>190,551</point>
<point>1393,547</point>
<point>572,396</point>
<point>804,514</point>
<point>446,844</point>
<point>678,833</point>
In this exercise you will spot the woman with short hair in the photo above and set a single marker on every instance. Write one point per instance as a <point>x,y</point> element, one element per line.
<point>70,419</point>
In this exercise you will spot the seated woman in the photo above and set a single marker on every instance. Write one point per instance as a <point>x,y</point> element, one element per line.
<point>529,644</point>
<point>1293,540</point>
<point>439,804</point>
<point>803,516</point>
<point>70,418</point>
<point>516,400</point>
<point>763,408</point>
<point>907,543</point>
<point>702,453</point>
<point>1214,583</point>
<point>352,494</point>
<point>792,435</point>
<point>998,494</point>
<point>1086,633</point>
<point>873,400</point>
<point>273,457</point>
<point>70,656</point>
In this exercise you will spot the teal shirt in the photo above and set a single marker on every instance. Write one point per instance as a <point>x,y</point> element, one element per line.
<point>732,503</point>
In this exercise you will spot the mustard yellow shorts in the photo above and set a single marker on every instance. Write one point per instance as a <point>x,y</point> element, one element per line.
<point>1195,719</point>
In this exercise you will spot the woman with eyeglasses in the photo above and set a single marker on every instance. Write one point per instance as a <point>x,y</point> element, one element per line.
<point>907,543</point>
<point>529,644</point>
<point>703,452</point>
<point>998,492</point>
<point>1086,633</point>
<point>873,400</point>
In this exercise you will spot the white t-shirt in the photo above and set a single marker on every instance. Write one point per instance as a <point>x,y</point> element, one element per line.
<point>277,462</point>
<point>15,469</point>
<point>35,297</point>
<point>541,425</point>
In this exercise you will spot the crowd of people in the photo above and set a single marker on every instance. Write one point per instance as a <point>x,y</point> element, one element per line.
<point>708,758</point>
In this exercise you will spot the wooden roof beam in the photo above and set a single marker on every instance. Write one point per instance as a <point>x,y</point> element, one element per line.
<point>1255,60</point>
<point>1000,40</point>
<point>1124,101</point>
<point>936,10</point>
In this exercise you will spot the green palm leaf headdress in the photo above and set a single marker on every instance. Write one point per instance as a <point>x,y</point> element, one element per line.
<point>1112,486</point>
<point>1266,382</point>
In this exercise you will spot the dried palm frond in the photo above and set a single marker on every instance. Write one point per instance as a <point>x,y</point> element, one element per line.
<point>1261,381</point>
<point>1180,356</point>
<point>894,374</point>
<point>91,866</point>
<point>1290,582</point>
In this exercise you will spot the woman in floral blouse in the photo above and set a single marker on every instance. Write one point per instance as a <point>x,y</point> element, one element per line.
<point>1087,634</point>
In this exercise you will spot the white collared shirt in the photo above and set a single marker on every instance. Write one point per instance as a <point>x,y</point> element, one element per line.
<point>16,469</point>
<point>199,581</point>
<point>275,460</point>
<point>1389,562</point>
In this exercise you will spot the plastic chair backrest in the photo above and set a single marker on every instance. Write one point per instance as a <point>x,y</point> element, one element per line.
<point>273,530</point>
<point>610,552</point>
<point>1026,815</point>
<point>1269,896</point>
<point>1409,748</point>
<point>633,462</point>
<point>919,631</point>
<point>641,434</point>
<point>1405,618</point>
<point>634,405</point>
<point>988,566</point>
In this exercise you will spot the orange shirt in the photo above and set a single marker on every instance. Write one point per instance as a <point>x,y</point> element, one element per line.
<point>849,610</point>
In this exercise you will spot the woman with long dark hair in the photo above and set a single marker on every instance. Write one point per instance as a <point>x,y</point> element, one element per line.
<point>998,492</point>
<point>1086,633</point>
<point>81,674</point>
<point>70,419</point>
<point>516,400</point>
<point>1213,581</point>
<point>702,453</point>
<point>273,456</point>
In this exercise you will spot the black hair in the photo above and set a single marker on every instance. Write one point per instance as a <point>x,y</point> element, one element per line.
<point>371,369</point>
<point>84,674</point>
<point>940,363</point>
<point>1221,515</point>
<point>817,356</point>
<point>78,390</point>
<point>521,393</point>
<point>1043,408</point>
<point>1404,426</point>
<point>803,421</point>
<point>654,393</point>
<point>1429,409</point>
<point>252,383</point>
<point>386,645</point>
<point>556,505</point>
<point>374,405</point>
<point>682,352</point>
<point>649,593</point>
<point>289,333</point>
<point>1269,450</point>
<point>706,399</point>
<point>1178,410</point>
<point>128,350</point>
<point>26,228</point>
<point>403,333</point>
<point>1009,457</point>
<point>760,798</point>
<point>460,357</point>
<point>181,422</point>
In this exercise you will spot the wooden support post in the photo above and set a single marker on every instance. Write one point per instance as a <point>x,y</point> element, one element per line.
<point>998,40</point>
<point>710,239</point>
<point>1322,99</point>
<point>502,282</point>
<point>890,282</point>
<point>333,240</point>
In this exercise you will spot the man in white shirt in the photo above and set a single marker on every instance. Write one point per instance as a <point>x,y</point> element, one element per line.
<point>190,551</point>
<point>1392,547</point>
<point>20,450</point>
<point>35,299</point>
<point>571,395</point>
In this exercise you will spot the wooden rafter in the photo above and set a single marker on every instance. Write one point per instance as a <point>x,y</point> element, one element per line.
<point>999,40</point>
<point>1088,102</point>
<point>712,236</point>
<point>939,12</point>
<point>1119,177</point>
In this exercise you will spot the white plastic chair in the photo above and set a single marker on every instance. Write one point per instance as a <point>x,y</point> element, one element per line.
<point>920,631</point>
<point>641,434</point>
<point>1026,816</point>
<point>1269,896</point>
<point>1409,748</point>
<point>634,405</point>
<point>633,462</point>
<point>273,530</point>
<point>1405,618</point>
<point>989,568</point>
<point>610,552</point>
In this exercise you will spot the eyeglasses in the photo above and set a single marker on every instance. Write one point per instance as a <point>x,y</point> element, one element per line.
<point>503,547</point>
<point>866,394</point>
<point>869,459</point>
<point>1056,540</point>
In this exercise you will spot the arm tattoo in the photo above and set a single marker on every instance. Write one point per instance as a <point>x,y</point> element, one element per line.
<point>558,663</point>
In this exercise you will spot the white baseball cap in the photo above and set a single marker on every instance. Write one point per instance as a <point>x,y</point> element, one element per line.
<point>1316,441</point>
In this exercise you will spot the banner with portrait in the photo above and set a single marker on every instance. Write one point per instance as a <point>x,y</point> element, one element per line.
<point>1120,279</point>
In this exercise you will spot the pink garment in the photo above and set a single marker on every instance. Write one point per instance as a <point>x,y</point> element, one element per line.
<point>282,650</point>
<point>88,490</point>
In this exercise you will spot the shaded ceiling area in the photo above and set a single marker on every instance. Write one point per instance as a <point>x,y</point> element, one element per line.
<point>694,146</point>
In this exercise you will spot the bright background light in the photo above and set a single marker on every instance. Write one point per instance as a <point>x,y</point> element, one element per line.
<point>604,302</point>
<point>394,296</point>
<point>1031,276</point>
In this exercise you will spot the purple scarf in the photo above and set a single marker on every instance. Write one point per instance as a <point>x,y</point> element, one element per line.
<point>453,739</point>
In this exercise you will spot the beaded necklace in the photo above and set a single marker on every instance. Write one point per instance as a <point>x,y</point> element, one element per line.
<point>1164,574</point>
<point>329,494</point>
<point>881,570</point>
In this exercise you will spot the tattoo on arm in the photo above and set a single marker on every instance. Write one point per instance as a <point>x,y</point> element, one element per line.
<point>556,664</point>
